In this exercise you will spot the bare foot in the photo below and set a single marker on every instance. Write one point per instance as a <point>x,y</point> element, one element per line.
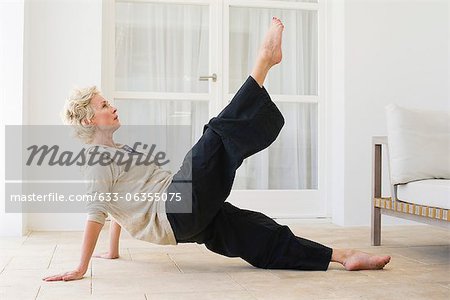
<point>270,52</point>
<point>357,260</point>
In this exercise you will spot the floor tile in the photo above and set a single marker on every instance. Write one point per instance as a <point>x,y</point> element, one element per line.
<point>126,294</point>
<point>77,289</point>
<point>242,295</point>
<point>208,262</point>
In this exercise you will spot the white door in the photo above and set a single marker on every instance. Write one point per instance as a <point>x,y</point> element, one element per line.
<point>163,47</point>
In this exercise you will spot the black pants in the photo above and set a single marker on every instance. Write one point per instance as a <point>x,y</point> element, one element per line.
<point>248,124</point>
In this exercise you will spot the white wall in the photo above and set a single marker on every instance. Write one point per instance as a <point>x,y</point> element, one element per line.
<point>395,52</point>
<point>63,50</point>
<point>11,86</point>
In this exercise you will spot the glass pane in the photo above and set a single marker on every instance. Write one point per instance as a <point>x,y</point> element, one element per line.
<point>298,72</point>
<point>164,112</point>
<point>291,161</point>
<point>161,47</point>
<point>162,115</point>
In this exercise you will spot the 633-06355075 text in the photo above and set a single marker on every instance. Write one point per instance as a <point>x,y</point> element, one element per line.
<point>97,196</point>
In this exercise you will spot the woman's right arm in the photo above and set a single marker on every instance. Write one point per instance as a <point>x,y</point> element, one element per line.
<point>91,233</point>
<point>100,178</point>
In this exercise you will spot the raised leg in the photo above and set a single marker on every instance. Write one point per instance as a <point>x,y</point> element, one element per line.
<point>247,125</point>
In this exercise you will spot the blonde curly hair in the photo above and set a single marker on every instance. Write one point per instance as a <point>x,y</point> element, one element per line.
<point>78,111</point>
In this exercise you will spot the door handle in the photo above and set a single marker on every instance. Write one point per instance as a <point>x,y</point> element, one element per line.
<point>206,78</point>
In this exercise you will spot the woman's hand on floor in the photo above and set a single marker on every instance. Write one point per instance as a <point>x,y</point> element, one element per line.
<point>106,255</point>
<point>67,276</point>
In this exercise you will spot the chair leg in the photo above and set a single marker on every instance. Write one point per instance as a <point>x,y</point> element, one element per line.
<point>376,226</point>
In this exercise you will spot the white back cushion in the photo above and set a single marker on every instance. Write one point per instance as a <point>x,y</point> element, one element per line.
<point>419,144</point>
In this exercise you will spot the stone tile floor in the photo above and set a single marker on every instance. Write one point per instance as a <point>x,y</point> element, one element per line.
<point>420,268</point>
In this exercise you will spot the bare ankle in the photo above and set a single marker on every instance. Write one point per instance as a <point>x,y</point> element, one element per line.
<point>265,59</point>
<point>259,73</point>
<point>340,255</point>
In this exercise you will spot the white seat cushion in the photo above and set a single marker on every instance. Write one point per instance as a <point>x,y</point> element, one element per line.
<point>432,192</point>
<point>419,144</point>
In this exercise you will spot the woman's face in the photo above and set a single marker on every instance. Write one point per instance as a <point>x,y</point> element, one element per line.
<point>105,114</point>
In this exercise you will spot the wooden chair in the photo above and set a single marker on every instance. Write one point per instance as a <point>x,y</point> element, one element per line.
<point>392,206</point>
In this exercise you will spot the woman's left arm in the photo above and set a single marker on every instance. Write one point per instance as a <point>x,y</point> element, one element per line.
<point>114,238</point>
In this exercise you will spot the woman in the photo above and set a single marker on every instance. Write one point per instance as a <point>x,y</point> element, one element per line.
<point>250,123</point>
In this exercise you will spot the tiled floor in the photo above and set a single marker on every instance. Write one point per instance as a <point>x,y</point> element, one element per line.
<point>420,269</point>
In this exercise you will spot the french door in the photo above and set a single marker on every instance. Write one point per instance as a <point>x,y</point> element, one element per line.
<point>180,62</point>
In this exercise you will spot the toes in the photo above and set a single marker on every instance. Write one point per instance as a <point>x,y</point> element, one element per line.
<point>277,24</point>
<point>385,261</point>
<point>277,21</point>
